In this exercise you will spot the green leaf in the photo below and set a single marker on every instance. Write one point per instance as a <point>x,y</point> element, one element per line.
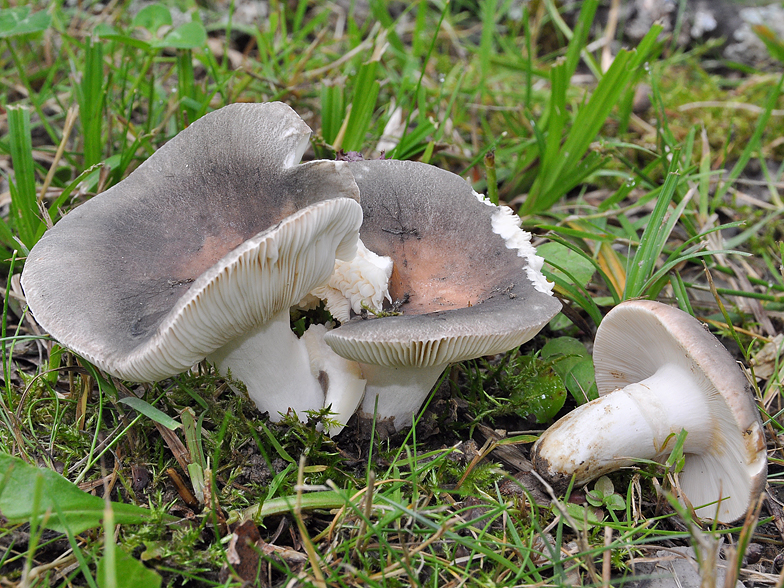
<point>129,572</point>
<point>152,18</point>
<point>573,364</point>
<point>18,21</point>
<point>614,502</point>
<point>77,510</point>
<point>603,494</point>
<point>583,517</point>
<point>604,486</point>
<point>190,35</point>
<point>594,498</point>
<point>581,269</point>
<point>581,382</point>
<point>566,351</point>
<point>547,395</point>
<point>151,412</point>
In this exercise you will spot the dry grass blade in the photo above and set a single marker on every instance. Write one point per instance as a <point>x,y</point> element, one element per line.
<point>315,564</point>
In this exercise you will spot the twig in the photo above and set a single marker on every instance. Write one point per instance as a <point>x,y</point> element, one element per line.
<point>366,44</point>
<point>70,120</point>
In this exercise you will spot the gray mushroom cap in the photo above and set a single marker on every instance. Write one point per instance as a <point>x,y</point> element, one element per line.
<point>216,232</point>
<point>469,292</point>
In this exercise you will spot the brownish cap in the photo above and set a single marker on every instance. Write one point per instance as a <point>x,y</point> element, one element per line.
<point>216,232</point>
<point>469,276</point>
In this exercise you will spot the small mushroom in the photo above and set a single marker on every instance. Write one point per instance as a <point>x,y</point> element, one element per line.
<point>659,371</point>
<point>465,278</point>
<point>200,252</point>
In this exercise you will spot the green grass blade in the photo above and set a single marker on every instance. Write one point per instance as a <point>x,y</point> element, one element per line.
<point>488,10</point>
<point>653,238</point>
<point>362,106</point>
<point>556,121</point>
<point>673,263</point>
<point>332,111</point>
<point>597,267</point>
<point>186,88</point>
<point>580,35</point>
<point>575,292</point>
<point>24,202</point>
<point>587,125</point>
<point>90,95</point>
<point>151,412</point>
<point>381,13</point>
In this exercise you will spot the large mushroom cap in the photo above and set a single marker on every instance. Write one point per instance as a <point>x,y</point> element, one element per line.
<point>470,288</point>
<point>216,232</point>
<point>639,336</point>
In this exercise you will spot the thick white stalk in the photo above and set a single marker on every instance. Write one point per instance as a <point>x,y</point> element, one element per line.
<point>341,378</point>
<point>400,391</point>
<point>274,366</point>
<point>639,421</point>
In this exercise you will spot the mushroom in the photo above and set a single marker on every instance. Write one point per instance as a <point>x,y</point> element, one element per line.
<point>658,372</point>
<point>465,278</point>
<point>200,252</point>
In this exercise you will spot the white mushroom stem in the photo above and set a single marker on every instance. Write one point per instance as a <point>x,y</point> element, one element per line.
<point>341,378</point>
<point>639,421</point>
<point>282,372</point>
<point>273,365</point>
<point>400,391</point>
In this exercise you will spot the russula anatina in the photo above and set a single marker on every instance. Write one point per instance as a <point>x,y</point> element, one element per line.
<point>658,372</point>
<point>200,252</point>
<point>466,278</point>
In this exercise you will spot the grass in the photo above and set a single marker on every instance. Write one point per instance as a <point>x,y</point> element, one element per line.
<point>678,201</point>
